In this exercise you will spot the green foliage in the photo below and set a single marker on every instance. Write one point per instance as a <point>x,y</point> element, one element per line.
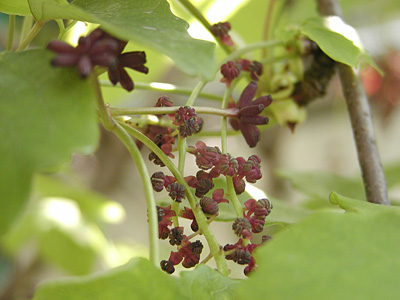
<point>139,279</point>
<point>330,255</point>
<point>150,23</point>
<point>15,7</point>
<point>47,113</point>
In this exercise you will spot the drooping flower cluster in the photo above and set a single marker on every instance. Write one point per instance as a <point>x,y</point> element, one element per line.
<point>248,117</point>
<point>232,70</point>
<point>100,49</point>
<point>253,221</point>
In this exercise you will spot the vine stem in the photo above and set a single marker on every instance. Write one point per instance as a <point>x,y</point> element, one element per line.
<point>215,249</point>
<point>170,110</point>
<point>168,88</point>
<point>199,16</point>
<point>361,122</point>
<point>134,151</point>
<point>10,34</point>
<point>224,148</point>
<point>31,35</point>
<point>251,47</point>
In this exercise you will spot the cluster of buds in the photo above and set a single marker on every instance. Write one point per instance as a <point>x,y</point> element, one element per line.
<point>188,253</point>
<point>187,121</point>
<point>221,30</point>
<point>253,221</point>
<point>100,49</point>
<point>211,158</point>
<point>232,70</point>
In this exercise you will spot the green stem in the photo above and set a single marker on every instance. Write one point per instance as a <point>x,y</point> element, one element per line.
<point>267,26</point>
<point>61,26</point>
<point>111,125</point>
<point>251,47</point>
<point>199,16</point>
<point>229,183</point>
<point>148,191</point>
<point>26,26</point>
<point>10,34</point>
<point>215,249</point>
<point>31,35</point>
<point>168,88</point>
<point>229,112</point>
<point>195,93</point>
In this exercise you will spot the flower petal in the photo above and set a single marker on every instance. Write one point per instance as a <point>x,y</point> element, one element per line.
<point>250,133</point>
<point>248,94</point>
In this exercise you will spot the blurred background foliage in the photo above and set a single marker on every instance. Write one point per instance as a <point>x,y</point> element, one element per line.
<point>91,215</point>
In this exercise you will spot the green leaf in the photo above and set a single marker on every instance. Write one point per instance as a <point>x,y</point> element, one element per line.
<point>330,256</point>
<point>150,23</point>
<point>284,212</point>
<point>206,283</point>
<point>46,114</point>
<point>334,44</point>
<point>138,279</point>
<point>354,205</point>
<point>318,185</point>
<point>15,7</point>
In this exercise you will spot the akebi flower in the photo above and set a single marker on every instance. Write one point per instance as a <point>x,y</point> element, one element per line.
<point>132,60</point>
<point>100,49</point>
<point>221,30</point>
<point>249,116</point>
<point>230,71</point>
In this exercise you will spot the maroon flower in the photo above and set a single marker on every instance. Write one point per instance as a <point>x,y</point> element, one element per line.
<point>230,71</point>
<point>206,157</point>
<point>242,255</point>
<point>221,30</point>
<point>164,220</point>
<point>134,60</point>
<point>187,121</point>
<point>98,48</point>
<point>249,114</point>
<point>254,67</point>
<point>187,213</point>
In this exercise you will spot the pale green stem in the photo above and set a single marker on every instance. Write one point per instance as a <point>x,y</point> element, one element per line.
<point>215,249</point>
<point>169,88</point>
<point>61,27</point>
<point>111,125</point>
<point>231,112</point>
<point>229,183</point>
<point>199,16</point>
<point>195,93</point>
<point>148,191</point>
<point>10,34</point>
<point>251,47</point>
<point>26,27</point>
<point>31,35</point>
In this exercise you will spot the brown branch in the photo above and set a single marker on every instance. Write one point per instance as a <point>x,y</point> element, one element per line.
<point>361,122</point>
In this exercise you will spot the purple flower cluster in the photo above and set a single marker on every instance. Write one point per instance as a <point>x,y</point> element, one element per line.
<point>100,49</point>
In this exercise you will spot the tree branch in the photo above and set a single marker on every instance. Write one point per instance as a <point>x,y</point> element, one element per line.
<point>361,122</point>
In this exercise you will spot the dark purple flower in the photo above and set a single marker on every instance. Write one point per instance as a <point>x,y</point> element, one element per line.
<point>221,30</point>
<point>230,71</point>
<point>249,114</point>
<point>134,60</point>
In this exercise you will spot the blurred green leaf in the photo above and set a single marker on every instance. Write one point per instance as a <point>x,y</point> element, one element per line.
<point>318,185</point>
<point>206,283</point>
<point>350,204</point>
<point>92,205</point>
<point>15,7</point>
<point>283,212</point>
<point>335,45</point>
<point>150,23</point>
<point>57,247</point>
<point>330,256</point>
<point>392,174</point>
<point>46,114</point>
<point>138,279</point>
